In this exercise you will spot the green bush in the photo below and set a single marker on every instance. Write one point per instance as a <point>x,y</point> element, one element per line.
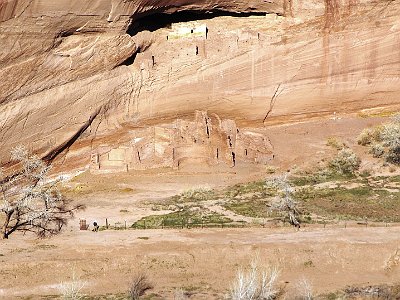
<point>385,140</point>
<point>390,135</point>
<point>366,137</point>
<point>393,155</point>
<point>377,150</point>
<point>370,135</point>
<point>335,143</point>
<point>345,162</point>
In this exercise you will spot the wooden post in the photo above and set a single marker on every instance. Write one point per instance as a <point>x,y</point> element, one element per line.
<point>144,223</point>
<point>82,224</point>
<point>106,223</point>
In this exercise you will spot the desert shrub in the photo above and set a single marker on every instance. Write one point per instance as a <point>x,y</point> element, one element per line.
<point>390,134</point>
<point>390,137</point>
<point>385,140</point>
<point>335,143</point>
<point>255,284</point>
<point>377,150</point>
<point>270,169</point>
<point>393,155</point>
<point>139,285</point>
<point>304,290</point>
<point>198,194</point>
<point>370,135</point>
<point>366,137</point>
<point>345,162</point>
<point>72,290</point>
<point>179,294</point>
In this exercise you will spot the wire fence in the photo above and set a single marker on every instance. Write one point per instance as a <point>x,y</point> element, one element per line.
<point>185,223</point>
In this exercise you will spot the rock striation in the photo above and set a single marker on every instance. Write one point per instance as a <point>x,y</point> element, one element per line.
<point>80,76</point>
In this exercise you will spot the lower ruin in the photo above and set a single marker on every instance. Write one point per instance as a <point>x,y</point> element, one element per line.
<point>206,140</point>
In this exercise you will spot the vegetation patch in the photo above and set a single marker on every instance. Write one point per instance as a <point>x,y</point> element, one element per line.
<point>182,218</point>
<point>252,191</point>
<point>355,203</point>
<point>256,208</point>
<point>383,140</point>
<point>375,198</point>
<point>320,176</point>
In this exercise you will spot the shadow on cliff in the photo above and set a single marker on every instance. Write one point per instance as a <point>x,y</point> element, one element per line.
<point>157,21</point>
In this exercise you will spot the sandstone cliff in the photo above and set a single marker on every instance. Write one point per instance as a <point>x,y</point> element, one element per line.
<point>77,75</point>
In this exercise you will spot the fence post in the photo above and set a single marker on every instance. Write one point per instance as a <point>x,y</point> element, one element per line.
<point>144,222</point>
<point>125,224</point>
<point>162,223</point>
<point>106,223</point>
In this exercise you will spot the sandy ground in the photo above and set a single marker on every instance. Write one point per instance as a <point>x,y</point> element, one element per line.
<point>203,261</point>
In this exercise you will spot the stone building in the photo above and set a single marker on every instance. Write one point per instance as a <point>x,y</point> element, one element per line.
<point>188,29</point>
<point>206,140</point>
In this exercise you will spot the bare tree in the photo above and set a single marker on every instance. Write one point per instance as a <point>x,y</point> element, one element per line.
<point>30,204</point>
<point>285,202</point>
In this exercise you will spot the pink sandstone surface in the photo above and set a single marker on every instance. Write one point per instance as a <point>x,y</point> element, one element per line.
<point>77,76</point>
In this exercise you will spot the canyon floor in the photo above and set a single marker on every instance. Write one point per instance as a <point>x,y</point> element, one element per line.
<point>335,249</point>
<point>201,262</point>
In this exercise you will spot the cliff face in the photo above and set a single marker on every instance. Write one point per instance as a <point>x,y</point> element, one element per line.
<point>80,75</point>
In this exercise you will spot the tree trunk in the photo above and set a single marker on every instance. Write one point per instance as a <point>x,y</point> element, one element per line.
<point>4,235</point>
<point>4,231</point>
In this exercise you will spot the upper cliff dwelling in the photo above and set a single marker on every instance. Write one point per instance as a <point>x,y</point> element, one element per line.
<point>158,21</point>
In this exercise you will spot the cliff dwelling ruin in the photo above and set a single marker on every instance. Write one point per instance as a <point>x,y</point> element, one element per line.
<point>206,140</point>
